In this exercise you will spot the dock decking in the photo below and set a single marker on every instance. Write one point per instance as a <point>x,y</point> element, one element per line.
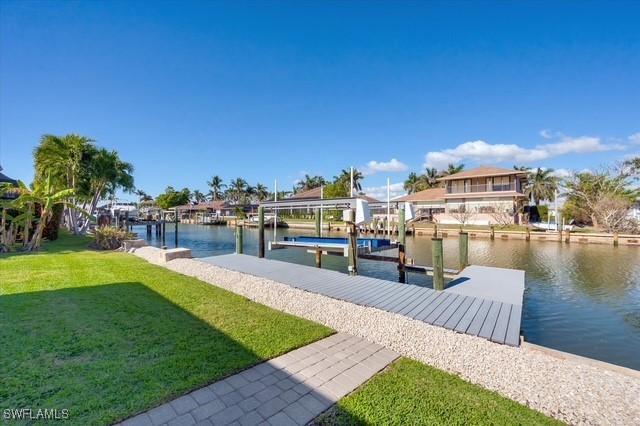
<point>480,301</point>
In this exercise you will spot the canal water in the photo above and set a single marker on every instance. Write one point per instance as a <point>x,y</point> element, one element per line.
<point>582,299</point>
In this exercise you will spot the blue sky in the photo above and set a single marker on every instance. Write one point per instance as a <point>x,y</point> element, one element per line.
<point>273,90</point>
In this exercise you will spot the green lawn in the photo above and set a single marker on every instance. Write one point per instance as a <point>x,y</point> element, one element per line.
<point>107,335</point>
<point>411,393</point>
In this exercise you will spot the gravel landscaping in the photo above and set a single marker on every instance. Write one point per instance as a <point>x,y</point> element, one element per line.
<point>566,389</point>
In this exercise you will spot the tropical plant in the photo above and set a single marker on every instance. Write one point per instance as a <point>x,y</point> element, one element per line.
<point>541,185</point>
<point>452,169</point>
<point>237,191</point>
<point>172,198</point>
<point>44,197</point>
<point>261,192</point>
<point>143,197</point>
<point>310,182</point>
<point>198,196</point>
<point>216,187</point>
<point>110,237</point>
<point>344,179</point>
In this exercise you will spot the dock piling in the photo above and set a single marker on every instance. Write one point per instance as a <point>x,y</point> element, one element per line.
<point>402,260</point>
<point>353,243</point>
<point>260,231</point>
<point>318,257</point>
<point>438,263</point>
<point>239,227</point>
<point>463,246</point>
<point>316,213</point>
<point>176,226</point>
<point>402,235</point>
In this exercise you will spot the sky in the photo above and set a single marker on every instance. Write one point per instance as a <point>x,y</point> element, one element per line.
<point>275,90</point>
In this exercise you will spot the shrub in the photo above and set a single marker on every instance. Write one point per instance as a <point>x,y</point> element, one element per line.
<point>110,238</point>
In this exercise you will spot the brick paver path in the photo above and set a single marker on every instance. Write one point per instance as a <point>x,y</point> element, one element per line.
<point>292,389</point>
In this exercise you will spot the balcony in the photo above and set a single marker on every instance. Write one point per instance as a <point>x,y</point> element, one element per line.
<point>469,189</point>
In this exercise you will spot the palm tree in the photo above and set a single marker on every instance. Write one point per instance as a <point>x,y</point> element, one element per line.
<point>238,190</point>
<point>310,182</point>
<point>261,192</point>
<point>216,186</point>
<point>344,178</point>
<point>412,183</point>
<point>46,196</point>
<point>431,177</point>
<point>541,185</point>
<point>452,169</point>
<point>198,196</point>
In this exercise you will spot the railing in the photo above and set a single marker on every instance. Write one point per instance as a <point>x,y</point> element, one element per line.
<point>481,188</point>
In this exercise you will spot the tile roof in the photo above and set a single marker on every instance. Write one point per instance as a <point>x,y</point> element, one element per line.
<point>483,171</point>
<point>431,194</point>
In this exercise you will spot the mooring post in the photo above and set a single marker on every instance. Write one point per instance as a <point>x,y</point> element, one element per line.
<point>402,260</point>
<point>435,229</point>
<point>353,246</point>
<point>175,213</point>
<point>239,227</point>
<point>318,257</point>
<point>260,231</point>
<point>316,213</point>
<point>164,231</point>
<point>438,263</point>
<point>126,220</point>
<point>402,236</point>
<point>527,234</point>
<point>463,244</point>
<point>493,232</point>
<point>615,239</point>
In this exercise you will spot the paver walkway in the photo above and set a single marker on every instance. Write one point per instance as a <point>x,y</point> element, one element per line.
<point>291,389</point>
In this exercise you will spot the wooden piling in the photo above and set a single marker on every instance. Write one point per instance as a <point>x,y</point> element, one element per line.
<point>316,213</point>
<point>615,239</point>
<point>402,235</point>
<point>239,244</point>
<point>567,237</point>
<point>402,260</point>
<point>528,234</point>
<point>493,232</point>
<point>435,229</point>
<point>353,243</point>
<point>463,249</point>
<point>438,263</point>
<point>318,257</point>
<point>164,232</point>
<point>260,231</point>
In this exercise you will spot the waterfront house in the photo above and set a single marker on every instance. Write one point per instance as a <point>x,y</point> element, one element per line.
<point>480,196</point>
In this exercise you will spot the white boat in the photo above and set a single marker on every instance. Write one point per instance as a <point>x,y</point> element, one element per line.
<point>551,226</point>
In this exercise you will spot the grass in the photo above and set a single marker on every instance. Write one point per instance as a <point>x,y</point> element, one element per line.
<point>107,335</point>
<point>411,393</point>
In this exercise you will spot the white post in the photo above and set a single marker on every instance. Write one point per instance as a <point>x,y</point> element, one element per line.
<point>556,208</point>
<point>321,208</point>
<point>351,184</point>
<point>275,209</point>
<point>388,208</point>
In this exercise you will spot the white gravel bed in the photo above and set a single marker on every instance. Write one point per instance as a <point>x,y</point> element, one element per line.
<point>566,389</point>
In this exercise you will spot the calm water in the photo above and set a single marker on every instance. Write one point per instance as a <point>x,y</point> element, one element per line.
<point>583,299</point>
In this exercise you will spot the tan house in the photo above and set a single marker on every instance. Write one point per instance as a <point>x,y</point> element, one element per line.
<point>479,196</point>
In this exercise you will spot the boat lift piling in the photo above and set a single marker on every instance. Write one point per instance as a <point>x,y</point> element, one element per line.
<point>260,231</point>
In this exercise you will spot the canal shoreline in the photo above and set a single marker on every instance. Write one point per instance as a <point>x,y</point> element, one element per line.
<point>563,387</point>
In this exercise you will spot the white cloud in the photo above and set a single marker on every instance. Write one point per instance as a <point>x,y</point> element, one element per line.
<point>546,133</point>
<point>393,165</point>
<point>380,192</point>
<point>562,173</point>
<point>482,152</point>
<point>635,138</point>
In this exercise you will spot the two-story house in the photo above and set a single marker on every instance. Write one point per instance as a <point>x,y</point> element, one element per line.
<point>481,196</point>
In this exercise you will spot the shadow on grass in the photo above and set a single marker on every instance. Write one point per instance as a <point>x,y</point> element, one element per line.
<point>107,352</point>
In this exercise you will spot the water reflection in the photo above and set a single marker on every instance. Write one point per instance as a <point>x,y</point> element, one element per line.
<point>583,299</point>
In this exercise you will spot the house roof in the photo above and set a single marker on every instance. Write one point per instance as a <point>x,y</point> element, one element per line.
<point>5,178</point>
<point>483,171</point>
<point>314,193</point>
<point>431,194</point>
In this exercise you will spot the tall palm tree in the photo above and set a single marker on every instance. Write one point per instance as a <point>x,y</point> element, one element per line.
<point>198,196</point>
<point>344,178</point>
<point>261,192</point>
<point>452,169</point>
<point>216,187</point>
<point>238,190</point>
<point>541,185</point>
<point>310,182</point>
<point>412,183</point>
<point>431,177</point>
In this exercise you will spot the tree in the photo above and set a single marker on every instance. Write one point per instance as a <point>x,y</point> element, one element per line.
<point>344,179</point>
<point>261,192</point>
<point>143,196</point>
<point>452,169</point>
<point>588,192</point>
<point>541,185</point>
<point>216,188</point>
<point>44,196</point>
<point>310,182</point>
<point>198,196</point>
<point>462,214</point>
<point>237,191</point>
<point>172,198</point>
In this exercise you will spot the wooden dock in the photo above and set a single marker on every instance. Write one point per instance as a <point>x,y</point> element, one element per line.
<point>480,301</point>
